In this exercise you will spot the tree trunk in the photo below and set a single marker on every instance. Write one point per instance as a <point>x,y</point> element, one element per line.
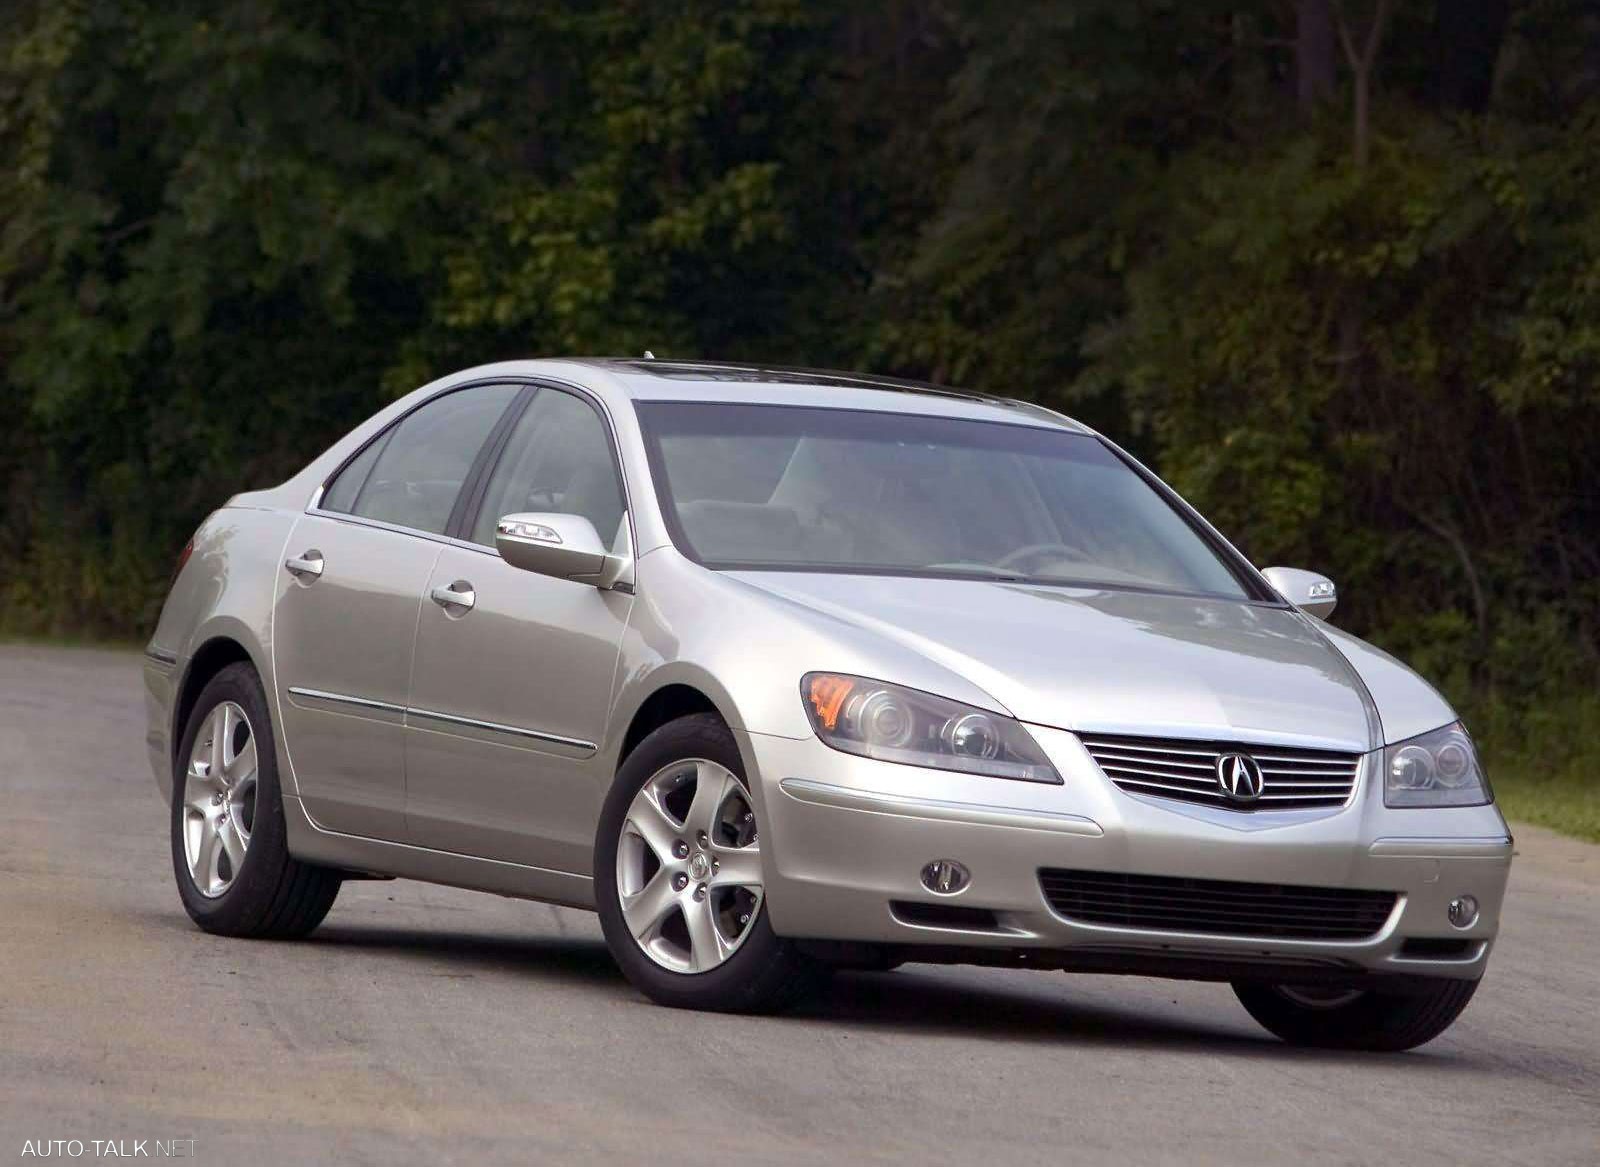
<point>1314,53</point>
<point>1363,64</point>
<point>1363,115</point>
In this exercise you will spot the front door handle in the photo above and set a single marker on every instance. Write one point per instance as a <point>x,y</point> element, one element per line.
<point>305,568</point>
<point>457,599</point>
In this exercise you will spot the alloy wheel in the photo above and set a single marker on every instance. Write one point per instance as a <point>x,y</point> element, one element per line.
<point>219,795</point>
<point>689,866</point>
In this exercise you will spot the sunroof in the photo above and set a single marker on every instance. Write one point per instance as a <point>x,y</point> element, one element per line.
<point>788,375</point>
<point>779,375</point>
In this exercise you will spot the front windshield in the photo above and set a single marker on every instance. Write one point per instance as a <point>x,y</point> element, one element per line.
<point>788,488</point>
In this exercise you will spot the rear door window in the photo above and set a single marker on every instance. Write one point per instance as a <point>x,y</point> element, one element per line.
<point>412,474</point>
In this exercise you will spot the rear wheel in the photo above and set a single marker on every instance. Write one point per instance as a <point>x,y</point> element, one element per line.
<point>679,880</point>
<point>230,850</point>
<point>1332,1017</point>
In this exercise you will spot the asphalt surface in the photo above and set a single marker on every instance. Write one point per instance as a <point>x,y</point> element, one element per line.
<point>428,1025</point>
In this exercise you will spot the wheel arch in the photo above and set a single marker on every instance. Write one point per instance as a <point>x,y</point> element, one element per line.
<point>666,703</point>
<point>655,696</point>
<point>213,655</point>
<point>665,694</point>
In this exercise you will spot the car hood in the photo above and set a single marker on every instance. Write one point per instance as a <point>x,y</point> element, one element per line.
<point>1110,660</point>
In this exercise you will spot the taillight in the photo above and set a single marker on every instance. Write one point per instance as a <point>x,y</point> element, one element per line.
<point>183,557</point>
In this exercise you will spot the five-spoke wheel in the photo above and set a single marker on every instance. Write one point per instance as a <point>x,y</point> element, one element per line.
<point>219,798</point>
<point>230,845</point>
<point>680,881</point>
<point>689,866</point>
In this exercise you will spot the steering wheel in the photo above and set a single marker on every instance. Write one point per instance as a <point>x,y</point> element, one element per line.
<point>1035,550</point>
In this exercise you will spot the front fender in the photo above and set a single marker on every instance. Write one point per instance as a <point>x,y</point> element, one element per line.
<point>1407,705</point>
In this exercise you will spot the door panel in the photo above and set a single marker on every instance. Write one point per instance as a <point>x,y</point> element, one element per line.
<point>345,620</point>
<point>511,688</point>
<point>508,702</point>
<point>342,644</point>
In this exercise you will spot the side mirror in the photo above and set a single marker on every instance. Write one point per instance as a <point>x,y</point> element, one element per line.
<point>1306,590</point>
<point>563,546</point>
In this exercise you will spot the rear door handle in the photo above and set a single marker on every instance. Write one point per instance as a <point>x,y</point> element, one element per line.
<point>305,568</point>
<point>458,595</point>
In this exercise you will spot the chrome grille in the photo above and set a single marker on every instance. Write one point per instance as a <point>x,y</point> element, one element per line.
<point>1160,903</point>
<point>1291,778</point>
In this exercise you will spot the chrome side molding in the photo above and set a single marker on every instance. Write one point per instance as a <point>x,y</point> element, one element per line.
<point>345,699</point>
<point>409,713</point>
<point>496,727</point>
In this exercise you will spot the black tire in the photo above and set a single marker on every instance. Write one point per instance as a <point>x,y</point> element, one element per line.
<point>272,895</point>
<point>1381,1019</point>
<point>847,956</point>
<point>868,964</point>
<point>767,972</point>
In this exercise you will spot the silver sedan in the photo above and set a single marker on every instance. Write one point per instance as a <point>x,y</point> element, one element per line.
<point>783,671</point>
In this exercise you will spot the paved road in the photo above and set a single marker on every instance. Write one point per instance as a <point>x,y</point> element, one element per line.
<point>422,1024</point>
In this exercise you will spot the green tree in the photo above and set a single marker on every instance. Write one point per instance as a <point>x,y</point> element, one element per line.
<point>1329,264</point>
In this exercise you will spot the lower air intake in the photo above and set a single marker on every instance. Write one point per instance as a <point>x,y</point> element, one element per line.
<point>1159,903</point>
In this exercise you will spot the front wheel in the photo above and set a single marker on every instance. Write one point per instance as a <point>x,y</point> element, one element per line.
<point>679,879</point>
<point>1382,1019</point>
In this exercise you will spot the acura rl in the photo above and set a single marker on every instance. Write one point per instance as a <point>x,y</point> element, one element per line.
<point>783,671</point>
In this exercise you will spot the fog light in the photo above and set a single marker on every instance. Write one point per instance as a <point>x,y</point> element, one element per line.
<point>1463,911</point>
<point>946,877</point>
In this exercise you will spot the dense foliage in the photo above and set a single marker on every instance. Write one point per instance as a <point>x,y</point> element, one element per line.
<point>1333,267</point>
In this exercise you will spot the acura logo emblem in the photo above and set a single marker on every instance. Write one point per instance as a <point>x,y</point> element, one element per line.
<point>1239,775</point>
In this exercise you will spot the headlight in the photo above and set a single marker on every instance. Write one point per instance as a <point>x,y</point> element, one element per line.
<point>894,724</point>
<point>1437,769</point>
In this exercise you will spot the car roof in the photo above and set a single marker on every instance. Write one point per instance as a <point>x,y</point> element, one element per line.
<point>649,379</point>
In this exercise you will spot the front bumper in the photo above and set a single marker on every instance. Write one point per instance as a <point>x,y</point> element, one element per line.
<point>846,839</point>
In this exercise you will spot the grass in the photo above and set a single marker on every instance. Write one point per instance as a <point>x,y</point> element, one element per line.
<point>1544,761</point>
<point>1563,802</point>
